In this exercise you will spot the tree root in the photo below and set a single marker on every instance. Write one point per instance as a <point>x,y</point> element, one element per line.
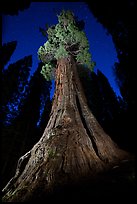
<point>20,167</point>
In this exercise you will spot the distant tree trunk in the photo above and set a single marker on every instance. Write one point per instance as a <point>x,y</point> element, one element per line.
<point>73,146</point>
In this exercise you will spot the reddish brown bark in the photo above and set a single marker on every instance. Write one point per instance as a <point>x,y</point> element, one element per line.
<point>73,146</point>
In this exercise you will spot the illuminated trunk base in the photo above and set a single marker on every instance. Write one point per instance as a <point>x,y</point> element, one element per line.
<point>73,147</point>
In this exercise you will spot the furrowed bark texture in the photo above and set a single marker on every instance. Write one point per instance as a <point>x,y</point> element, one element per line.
<point>73,146</point>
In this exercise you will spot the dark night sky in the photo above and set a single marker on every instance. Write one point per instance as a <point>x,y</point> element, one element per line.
<point>25,29</point>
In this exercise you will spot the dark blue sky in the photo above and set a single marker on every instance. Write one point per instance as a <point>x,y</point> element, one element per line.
<point>25,29</point>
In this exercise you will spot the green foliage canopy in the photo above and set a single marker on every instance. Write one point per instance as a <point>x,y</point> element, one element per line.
<point>64,39</point>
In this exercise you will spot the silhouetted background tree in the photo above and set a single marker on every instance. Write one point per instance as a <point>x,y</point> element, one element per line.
<point>118,17</point>
<point>14,81</point>
<point>6,52</point>
<point>23,109</point>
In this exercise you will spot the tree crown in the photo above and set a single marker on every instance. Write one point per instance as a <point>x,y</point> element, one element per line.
<point>64,39</point>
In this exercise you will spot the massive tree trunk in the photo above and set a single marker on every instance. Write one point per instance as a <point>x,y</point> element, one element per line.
<point>73,147</point>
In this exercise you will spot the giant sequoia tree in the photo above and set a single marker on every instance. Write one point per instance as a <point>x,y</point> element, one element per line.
<point>73,146</point>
